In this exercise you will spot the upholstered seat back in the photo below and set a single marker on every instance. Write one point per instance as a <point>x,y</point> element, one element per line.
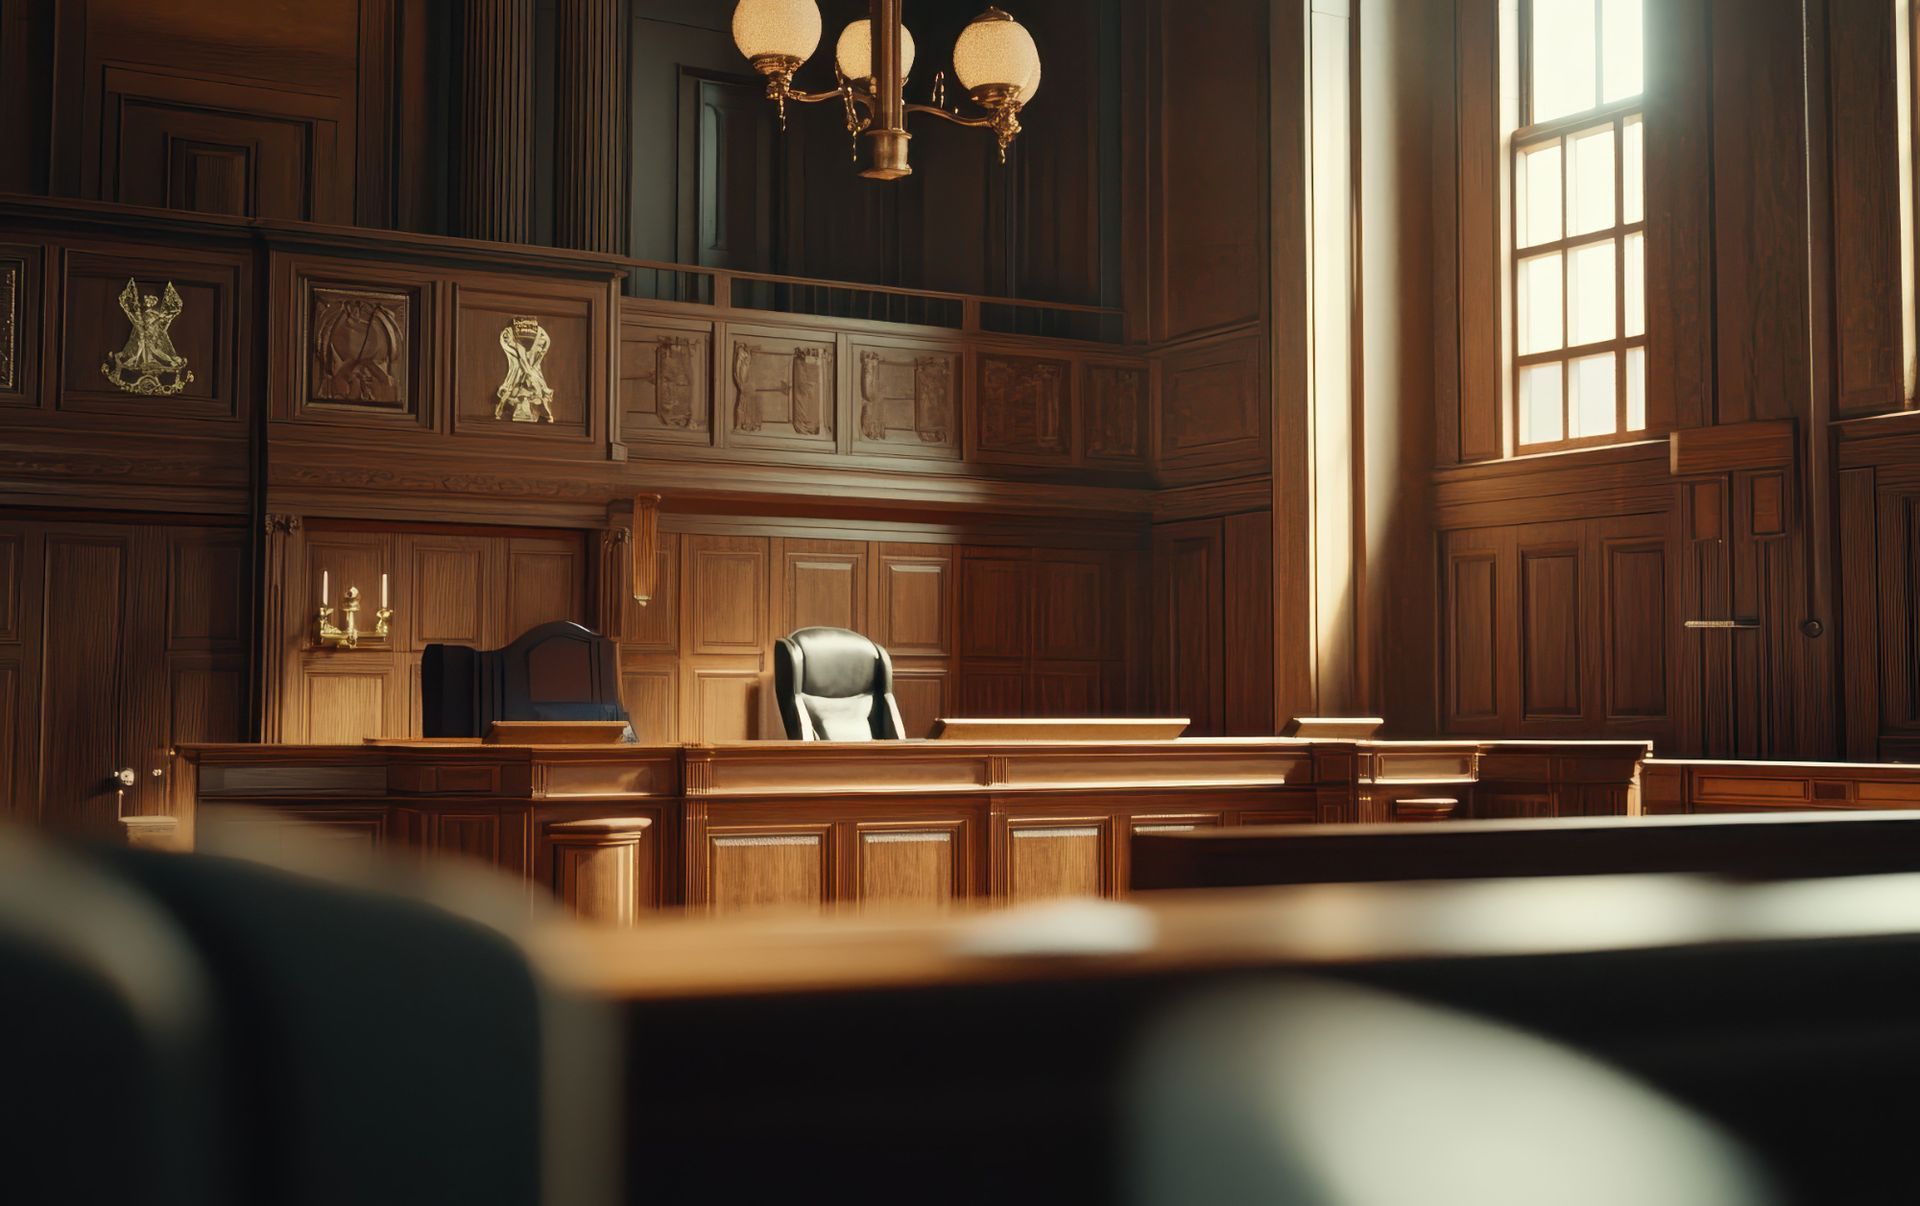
<point>834,685</point>
<point>557,671</point>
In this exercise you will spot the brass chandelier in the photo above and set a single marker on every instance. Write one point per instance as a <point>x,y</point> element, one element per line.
<point>994,59</point>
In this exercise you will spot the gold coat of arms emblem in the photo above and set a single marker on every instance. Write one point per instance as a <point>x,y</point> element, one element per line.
<point>149,364</point>
<point>525,389</point>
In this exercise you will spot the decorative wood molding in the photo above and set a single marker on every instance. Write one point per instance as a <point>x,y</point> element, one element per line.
<point>1116,404</point>
<point>906,401</point>
<point>1731,447</point>
<point>666,391</point>
<point>360,348</point>
<point>782,390</point>
<point>1025,409</point>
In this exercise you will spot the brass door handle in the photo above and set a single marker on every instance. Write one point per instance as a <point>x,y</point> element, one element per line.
<point>1723,624</point>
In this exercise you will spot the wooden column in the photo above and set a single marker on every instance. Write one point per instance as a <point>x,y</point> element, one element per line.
<point>493,162</point>
<point>602,869</point>
<point>590,138</point>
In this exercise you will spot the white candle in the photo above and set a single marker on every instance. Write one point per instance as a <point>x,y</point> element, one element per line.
<point>323,588</point>
<point>383,590</point>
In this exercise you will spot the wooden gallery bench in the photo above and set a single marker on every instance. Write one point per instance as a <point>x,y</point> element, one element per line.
<point>1763,846</point>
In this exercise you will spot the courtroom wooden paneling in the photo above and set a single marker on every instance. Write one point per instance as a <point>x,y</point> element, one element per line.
<point>1117,413</point>
<point>1210,175</point>
<point>906,400</point>
<point>1471,424</point>
<point>171,106</point>
<point>727,580</point>
<point>817,850</point>
<point>724,638</point>
<point>747,866</point>
<point>1247,624</point>
<point>21,274</point>
<point>1214,414</point>
<point>666,379</point>
<point>473,586</point>
<point>1700,786</point>
<point>1561,629</point>
<point>574,366</point>
<point>1879,541</point>
<point>369,341</point>
<point>820,583</point>
<point>221,147</point>
<point>1189,653</point>
<point>782,390</point>
<point>1760,231</point>
<point>912,862</point>
<point>1867,218</point>
<point>1679,244</point>
<point>1025,412</point>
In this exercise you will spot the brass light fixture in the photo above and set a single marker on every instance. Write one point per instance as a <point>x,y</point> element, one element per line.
<point>994,59</point>
<point>350,635</point>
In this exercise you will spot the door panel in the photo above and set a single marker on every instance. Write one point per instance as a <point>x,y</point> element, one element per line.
<point>83,731</point>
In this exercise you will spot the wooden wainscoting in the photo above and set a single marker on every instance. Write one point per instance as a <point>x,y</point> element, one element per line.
<point>1561,629</point>
<point>999,630</point>
<point>117,641</point>
<point>464,586</point>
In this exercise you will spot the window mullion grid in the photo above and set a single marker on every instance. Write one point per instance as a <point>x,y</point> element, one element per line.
<point>1566,271</point>
<point>1599,54</point>
<point>1619,275</point>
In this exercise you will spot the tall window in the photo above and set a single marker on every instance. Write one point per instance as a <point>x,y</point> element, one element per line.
<point>1579,222</point>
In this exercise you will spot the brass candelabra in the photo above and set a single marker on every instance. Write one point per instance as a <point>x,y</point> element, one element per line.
<point>348,635</point>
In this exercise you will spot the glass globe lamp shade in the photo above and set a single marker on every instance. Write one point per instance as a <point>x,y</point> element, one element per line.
<point>1031,86</point>
<point>995,51</point>
<point>854,51</point>
<point>787,28</point>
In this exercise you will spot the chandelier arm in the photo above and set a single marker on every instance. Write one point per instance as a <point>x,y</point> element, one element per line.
<point>959,119</point>
<point>831,94</point>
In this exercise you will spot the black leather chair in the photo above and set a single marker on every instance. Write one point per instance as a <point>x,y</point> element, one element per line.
<point>558,671</point>
<point>834,685</point>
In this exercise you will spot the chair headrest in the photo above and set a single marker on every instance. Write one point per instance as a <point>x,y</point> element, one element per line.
<point>835,662</point>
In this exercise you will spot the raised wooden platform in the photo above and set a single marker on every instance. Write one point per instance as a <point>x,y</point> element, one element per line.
<point>784,823</point>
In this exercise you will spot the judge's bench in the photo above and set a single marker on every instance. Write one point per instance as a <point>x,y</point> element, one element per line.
<point>614,829</point>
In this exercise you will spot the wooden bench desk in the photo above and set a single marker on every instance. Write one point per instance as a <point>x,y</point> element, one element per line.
<point>915,1057</point>
<point>1784,845</point>
<point>780,822</point>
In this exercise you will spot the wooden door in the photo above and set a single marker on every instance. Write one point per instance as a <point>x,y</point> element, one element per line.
<point>120,640</point>
<point>85,733</point>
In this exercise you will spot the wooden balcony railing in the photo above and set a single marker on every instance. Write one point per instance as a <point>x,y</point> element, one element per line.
<point>728,289</point>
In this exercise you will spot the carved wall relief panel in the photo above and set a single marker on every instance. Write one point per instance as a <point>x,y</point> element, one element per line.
<point>148,363</point>
<point>780,391</point>
<point>359,348</point>
<point>152,338</point>
<point>524,366</point>
<point>1116,412</point>
<point>664,387</point>
<point>523,393</point>
<point>906,401</point>
<point>1026,409</point>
